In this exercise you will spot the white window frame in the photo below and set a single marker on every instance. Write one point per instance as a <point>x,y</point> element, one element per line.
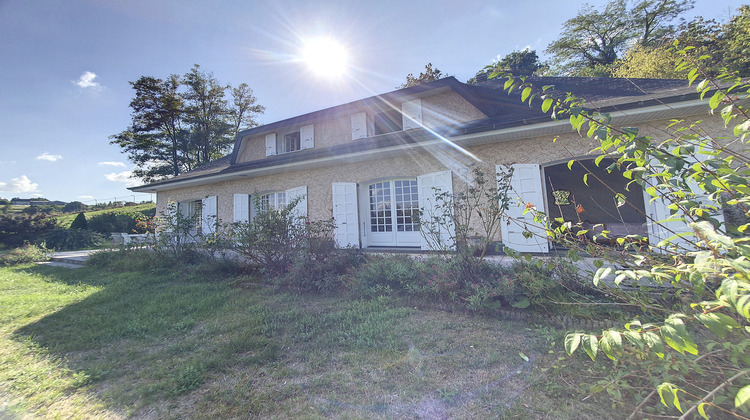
<point>289,142</point>
<point>272,200</point>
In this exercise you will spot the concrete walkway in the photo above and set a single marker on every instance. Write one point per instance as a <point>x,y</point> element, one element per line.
<point>69,259</point>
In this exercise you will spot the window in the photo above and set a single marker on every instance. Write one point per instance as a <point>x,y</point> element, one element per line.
<point>304,138</point>
<point>289,143</point>
<point>195,213</point>
<point>388,122</point>
<point>407,205</point>
<point>272,201</point>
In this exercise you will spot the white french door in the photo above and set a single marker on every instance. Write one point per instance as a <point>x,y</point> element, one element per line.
<point>392,206</point>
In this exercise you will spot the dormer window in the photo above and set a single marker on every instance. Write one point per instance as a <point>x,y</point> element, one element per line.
<point>289,143</point>
<point>388,122</point>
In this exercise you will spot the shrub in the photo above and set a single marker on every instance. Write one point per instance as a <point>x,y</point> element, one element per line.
<point>18,229</point>
<point>533,280</point>
<point>385,275</point>
<point>25,254</point>
<point>68,239</point>
<point>313,270</point>
<point>112,222</point>
<point>79,222</point>
<point>274,239</point>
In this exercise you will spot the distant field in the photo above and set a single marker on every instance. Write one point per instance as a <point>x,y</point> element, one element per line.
<point>148,209</point>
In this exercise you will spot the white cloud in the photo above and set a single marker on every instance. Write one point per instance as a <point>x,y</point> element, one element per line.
<point>111,164</point>
<point>49,157</point>
<point>124,177</point>
<point>86,197</point>
<point>22,184</point>
<point>87,80</point>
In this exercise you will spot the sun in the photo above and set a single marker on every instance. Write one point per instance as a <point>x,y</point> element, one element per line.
<point>325,57</point>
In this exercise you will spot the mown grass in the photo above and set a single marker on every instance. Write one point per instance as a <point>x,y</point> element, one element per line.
<point>97,343</point>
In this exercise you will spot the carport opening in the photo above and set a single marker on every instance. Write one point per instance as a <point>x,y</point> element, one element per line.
<point>595,204</point>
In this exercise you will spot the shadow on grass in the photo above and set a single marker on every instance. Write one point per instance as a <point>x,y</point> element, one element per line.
<point>143,339</point>
<point>150,336</point>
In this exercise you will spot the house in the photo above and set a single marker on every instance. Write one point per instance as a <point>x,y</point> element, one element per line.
<point>373,163</point>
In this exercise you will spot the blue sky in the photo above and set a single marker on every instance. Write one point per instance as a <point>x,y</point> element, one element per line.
<point>65,66</point>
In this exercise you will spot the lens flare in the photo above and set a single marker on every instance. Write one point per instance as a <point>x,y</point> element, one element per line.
<point>325,57</point>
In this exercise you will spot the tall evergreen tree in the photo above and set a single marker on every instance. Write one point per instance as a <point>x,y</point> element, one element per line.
<point>179,123</point>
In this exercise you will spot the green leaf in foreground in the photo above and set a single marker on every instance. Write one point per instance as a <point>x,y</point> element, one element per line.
<point>742,397</point>
<point>572,341</point>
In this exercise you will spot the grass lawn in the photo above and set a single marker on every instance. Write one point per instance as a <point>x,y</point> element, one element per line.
<point>65,220</point>
<point>87,343</point>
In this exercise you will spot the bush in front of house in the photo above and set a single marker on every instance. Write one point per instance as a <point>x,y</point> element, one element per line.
<point>444,281</point>
<point>322,272</point>
<point>70,239</point>
<point>383,274</point>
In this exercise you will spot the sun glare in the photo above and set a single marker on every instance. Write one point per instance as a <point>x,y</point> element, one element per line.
<point>325,57</point>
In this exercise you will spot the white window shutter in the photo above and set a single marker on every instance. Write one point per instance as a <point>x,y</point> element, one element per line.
<point>359,125</point>
<point>411,112</point>
<point>241,208</point>
<point>300,210</point>
<point>172,210</point>
<point>526,189</point>
<point>345,214</point>
<point>270,144</point>
<point>429,186</point>
<point>662,224</point>
<point>307,136</point>
<point>208,219</point>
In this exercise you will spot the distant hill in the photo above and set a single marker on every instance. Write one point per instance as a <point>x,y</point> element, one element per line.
<point>149,209</point>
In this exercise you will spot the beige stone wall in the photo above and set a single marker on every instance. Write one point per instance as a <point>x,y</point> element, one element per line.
<point>437,110</point>
<point>448,108</point>
<point>409,164</point>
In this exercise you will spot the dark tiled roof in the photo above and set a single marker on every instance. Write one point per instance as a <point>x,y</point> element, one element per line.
<point>502,110</point>
<point>210,168</point>
<point>222,166</point>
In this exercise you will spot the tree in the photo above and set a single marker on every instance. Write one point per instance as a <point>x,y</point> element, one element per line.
<point>655,62</point>
<point>520,63</point>
<point>156,141</point>
<point>650,18</point>
<point>74,206</point>
<point>79,222</point>
<point>429,75</point>
<point>245,109</point>
<point>179,123</point>
<point>208,116</point>
<point>592,41</point>
<point>737,41</point>
<point>721,45</point>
